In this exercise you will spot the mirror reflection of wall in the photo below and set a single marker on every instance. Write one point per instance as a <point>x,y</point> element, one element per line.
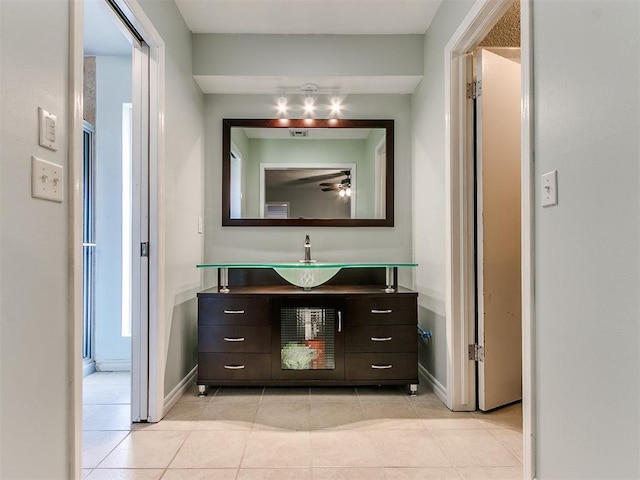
<point>280,165</point>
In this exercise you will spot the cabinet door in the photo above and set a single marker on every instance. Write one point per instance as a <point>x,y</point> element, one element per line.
<point>308,339</point>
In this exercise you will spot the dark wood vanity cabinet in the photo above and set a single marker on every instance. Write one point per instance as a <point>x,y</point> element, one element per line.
<point>327,336</point>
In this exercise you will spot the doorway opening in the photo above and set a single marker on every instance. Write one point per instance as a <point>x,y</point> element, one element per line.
<point>115,226</point>
<point>471,239</point>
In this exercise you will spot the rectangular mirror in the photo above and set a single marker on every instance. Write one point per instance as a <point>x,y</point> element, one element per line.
<point>307,172</point>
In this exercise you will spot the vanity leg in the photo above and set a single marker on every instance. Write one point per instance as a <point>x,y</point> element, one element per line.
<point>202,391</point>
<point>413,389</point>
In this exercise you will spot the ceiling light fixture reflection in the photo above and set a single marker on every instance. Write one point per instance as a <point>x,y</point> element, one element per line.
<point>336,106</point>
<point>282,106</point>
<point>309,106</point>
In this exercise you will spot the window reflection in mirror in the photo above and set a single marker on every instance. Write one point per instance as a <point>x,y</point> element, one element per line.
<point>308,172</point>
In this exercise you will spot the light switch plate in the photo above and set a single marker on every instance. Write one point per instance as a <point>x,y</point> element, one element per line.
<point>47,180</point>
<point>48,134</point>
<point>550,189</point>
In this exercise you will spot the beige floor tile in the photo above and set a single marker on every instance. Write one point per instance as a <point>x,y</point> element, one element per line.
<point>107,378</point>
<point>491,473</point>
<point>511,439</point>
<point>422,473</point>
<point>211,449</point>
<point>474,448</point>
<point>200,474</point>
<point>191,395</point>
<point>271,449</point>
<point>435,411</point>
<point>126,474</point>
<point>145,449</point>
<point>348,473</point>
<point>227,416</point>
<point>391,416</point>
<point>108,417</point>
<point>343,449</point>
<point>453,424</point>
<point>408,448</point>
<point>100,394</point>
<point>285,394</point>
<point>282,416</point>
<point>336,416</point>
<point>182,416</point>
<point>274,474</point>
<point>97,445</point>
<point>505,417</point>
<point>333,394</point>
<point>386,394</point>
<point>238,395</point>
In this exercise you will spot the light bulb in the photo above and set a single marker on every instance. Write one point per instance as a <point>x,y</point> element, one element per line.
<point>282,106</point>
<point>342,193</point>
<point>336,106</point>
<point>348,191</point>
<point>309,107</point>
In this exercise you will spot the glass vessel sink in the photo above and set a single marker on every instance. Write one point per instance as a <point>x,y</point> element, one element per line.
<point>305,274</point>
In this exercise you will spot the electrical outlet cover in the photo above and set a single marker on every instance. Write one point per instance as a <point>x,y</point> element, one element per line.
<point>47,180</point>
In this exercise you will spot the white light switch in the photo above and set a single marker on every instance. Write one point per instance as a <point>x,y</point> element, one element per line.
<point>200,225</point>
<point>46,180</point>
<point>47,123</point>
<point>550,189</point>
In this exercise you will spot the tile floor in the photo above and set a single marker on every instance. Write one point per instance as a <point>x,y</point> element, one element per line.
<point>299,434</point>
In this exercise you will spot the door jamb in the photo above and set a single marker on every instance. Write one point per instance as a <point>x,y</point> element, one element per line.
<point>141,22</point>
<point>459,246</point>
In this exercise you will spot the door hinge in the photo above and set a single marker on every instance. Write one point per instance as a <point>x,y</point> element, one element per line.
<point>474,90</point>
<point>476,353</point>
<point>144,249</point>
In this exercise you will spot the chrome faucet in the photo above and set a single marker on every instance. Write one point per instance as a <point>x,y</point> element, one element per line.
<point>307,249</point>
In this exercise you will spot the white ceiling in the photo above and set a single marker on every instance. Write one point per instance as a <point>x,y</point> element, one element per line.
<point>357,17</point>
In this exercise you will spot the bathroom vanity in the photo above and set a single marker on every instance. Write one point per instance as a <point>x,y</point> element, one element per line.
<point>356,328</point>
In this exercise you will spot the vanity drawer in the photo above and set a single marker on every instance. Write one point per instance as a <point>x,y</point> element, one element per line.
<point>381,338</point>
<point>236,310</point>
<point>384,309</point>
<point>234,338</point>
<point>233,366</point>
<point>381,366</point>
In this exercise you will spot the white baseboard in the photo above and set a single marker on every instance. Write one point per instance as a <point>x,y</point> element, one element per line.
<point>183,386</point>
<point>436,386</point>
<point>113,365</point>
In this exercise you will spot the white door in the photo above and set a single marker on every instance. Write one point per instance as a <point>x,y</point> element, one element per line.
<point>498,230</point>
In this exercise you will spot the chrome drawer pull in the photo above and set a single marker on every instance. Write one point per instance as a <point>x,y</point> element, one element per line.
<point>234,367</point>
<point>381,367</point>
<point>380,311</point>
<point>234,312</point>
<point>237,339</point>
<point>381,339</point>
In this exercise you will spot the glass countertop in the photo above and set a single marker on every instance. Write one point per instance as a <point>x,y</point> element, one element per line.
<point>308,265</point>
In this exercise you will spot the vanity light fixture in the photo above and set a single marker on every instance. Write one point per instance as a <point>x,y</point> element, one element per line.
<point>309,107</point>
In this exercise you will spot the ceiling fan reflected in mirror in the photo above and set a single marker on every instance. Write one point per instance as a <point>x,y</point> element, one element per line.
<point>343,187</point>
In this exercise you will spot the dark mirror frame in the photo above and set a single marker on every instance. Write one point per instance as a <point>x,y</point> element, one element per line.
<point>228,123</point>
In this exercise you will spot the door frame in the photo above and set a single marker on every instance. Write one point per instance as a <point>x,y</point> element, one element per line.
<point>152,347</point>
<point>459,214</point>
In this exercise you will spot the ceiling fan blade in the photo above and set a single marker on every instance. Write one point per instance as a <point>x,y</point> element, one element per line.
<point>329,189</point>
<point>328,184</point>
